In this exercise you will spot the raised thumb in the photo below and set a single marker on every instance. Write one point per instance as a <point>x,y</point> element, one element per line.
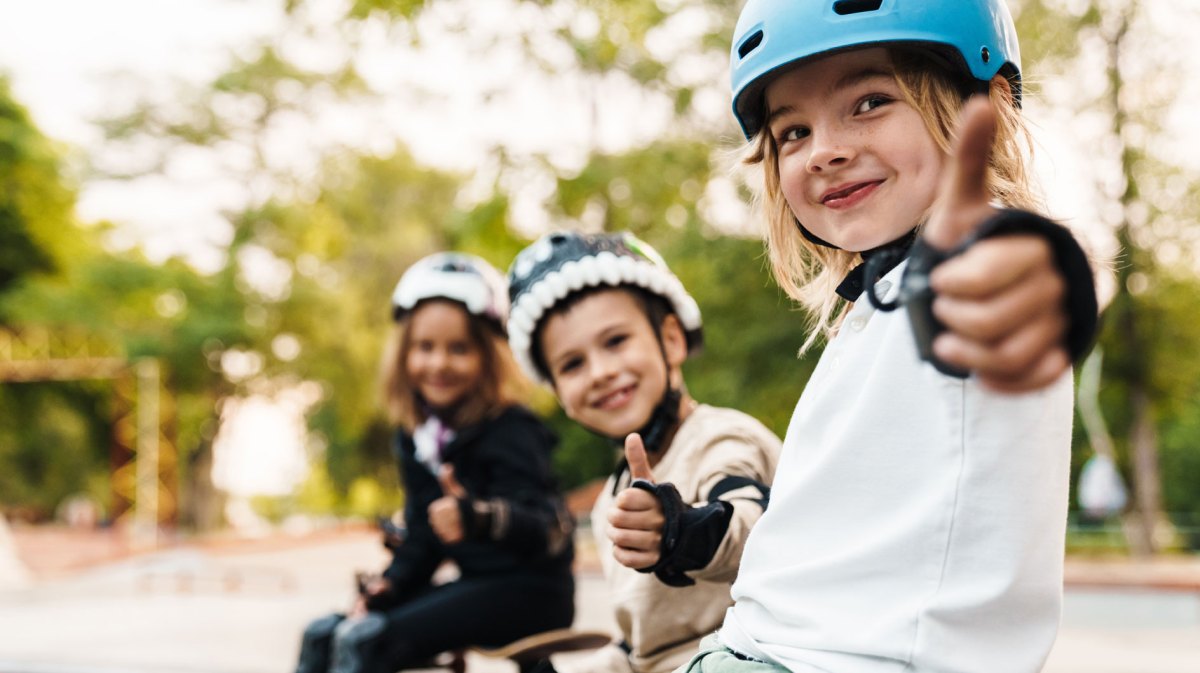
<point>963,195</point>
<point>450,485</point>
<point>635,456</point>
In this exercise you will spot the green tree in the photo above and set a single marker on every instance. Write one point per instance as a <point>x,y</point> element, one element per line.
<point>45,434</point>
<point>36,201</point>
<point>342,239</point>
<point>1146,200</point>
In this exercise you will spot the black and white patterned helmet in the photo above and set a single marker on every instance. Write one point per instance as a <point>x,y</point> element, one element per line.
<point>456,276</point>
<point>562,263</point>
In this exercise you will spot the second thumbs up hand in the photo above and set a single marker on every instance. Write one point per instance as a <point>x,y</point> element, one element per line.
<point>445,513</point>
<point>636,519</point>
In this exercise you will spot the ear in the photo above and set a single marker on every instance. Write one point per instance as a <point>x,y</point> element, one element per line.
<point>674,340</point>
<point>1000,81</point>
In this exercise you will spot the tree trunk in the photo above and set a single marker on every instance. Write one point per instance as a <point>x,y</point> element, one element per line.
<point>1143,443</point>
<point>1146,516</point>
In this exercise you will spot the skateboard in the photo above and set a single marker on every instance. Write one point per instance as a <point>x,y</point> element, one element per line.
<point>541,645</point>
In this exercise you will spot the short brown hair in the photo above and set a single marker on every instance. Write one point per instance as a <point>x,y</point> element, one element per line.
<point>502,384</point>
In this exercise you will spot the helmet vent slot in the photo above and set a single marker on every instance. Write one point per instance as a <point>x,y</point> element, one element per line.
<point>845,7</point>
<point>750,43</point>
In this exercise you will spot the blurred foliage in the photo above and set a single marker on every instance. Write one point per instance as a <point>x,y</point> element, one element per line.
<point>302,292</point>
<point>1151,370</point>
<point>47,434</point>
<point>36,198</point>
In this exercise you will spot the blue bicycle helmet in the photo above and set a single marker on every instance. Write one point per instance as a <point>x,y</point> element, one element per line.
<point>977,37</point>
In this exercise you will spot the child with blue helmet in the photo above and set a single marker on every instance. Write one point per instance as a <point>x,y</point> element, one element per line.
<point>918,514</point>
<point>478,484</point>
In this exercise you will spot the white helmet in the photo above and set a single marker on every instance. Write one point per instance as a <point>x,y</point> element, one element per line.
<point>456,276</point>
<point>562,263</point>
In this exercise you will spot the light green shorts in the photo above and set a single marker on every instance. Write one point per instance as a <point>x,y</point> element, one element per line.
<point>714,657</point>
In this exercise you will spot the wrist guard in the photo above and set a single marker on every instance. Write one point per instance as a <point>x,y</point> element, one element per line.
<point>690,535</point>
<point>917,296</point>
<point>483,519</point>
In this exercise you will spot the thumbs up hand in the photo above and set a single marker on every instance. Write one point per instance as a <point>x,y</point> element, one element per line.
<point>1002,301</point>
<point>963,202</point>
<point>445,513</point>
<point>636,519</point>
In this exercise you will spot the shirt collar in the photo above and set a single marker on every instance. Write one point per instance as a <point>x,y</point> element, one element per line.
<point>855,281</point>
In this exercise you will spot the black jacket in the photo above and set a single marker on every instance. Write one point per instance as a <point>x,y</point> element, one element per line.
<point>504,465</point>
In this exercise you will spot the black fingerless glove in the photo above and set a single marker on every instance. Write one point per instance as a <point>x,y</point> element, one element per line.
<point>917,296</point>
<point>690,536</point>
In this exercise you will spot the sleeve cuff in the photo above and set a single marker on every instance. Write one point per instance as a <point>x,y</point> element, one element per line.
<point>485,519</point>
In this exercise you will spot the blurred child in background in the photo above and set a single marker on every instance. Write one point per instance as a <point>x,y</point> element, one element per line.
<point>479,490</point>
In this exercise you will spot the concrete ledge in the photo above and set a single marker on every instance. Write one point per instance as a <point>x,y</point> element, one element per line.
<point>1170,573</point>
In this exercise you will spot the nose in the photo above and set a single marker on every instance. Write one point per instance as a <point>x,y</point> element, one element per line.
<point>438,359</point>
<point>830,149</point>
<point>601,367</point>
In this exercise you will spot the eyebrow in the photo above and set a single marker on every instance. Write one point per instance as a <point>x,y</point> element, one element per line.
<point>844,82</point>
<point>858,76</point>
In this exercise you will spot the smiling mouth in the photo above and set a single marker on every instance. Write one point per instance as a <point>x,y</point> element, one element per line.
<point>616,398</point>
<point>849,195</point>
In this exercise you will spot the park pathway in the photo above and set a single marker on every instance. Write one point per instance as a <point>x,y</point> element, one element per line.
<point>238,607</point>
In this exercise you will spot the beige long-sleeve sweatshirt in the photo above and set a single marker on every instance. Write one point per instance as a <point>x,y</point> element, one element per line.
<point>663,625</point>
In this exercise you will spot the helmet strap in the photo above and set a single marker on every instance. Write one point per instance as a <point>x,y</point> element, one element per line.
<point>665,416</point>
<point>813,238</point>
<point>663,420</point>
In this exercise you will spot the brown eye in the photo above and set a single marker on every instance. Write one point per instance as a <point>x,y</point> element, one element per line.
<point>570,365</point>
<point>870,103</point>
<point>792,134</point>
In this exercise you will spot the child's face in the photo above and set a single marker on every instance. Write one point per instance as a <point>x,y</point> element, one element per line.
<point>444,363</point>
<point>856,163</point>
<point>606,362</point>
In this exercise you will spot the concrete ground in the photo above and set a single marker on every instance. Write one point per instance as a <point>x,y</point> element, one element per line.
<point>238,607</point>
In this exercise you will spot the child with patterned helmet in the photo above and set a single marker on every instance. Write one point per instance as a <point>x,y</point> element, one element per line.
<point>479,488</point>
<point>559,270</point>
<point>603,321</point>
<point>917,520</point>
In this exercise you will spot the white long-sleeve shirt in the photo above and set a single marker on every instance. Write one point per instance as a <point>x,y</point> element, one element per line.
<point>916,522</point>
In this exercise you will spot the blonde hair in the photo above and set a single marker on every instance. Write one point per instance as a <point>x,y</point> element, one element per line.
<point>501,382</point>
<point>810,273</point>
